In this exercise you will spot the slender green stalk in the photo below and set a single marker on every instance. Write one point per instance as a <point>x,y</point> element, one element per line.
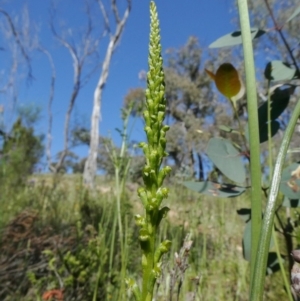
<point>256,206</point>
<point>100,267</point>
<point>282,270</point>
<point>241,130</point>
<point>112,245</point>
<point>270,156</point>
<point>120,164</point>
<point>121,235</point>
<point>222,230</point>
<point>256,291</point>
<point>153,192</point>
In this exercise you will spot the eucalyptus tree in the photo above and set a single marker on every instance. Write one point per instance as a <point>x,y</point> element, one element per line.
<point>20,44</point>
<point>90,168</point>
<point>17,41</point>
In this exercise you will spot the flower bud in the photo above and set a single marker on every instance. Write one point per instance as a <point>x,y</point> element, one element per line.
<point>139,220</point>
<point>144,235</point>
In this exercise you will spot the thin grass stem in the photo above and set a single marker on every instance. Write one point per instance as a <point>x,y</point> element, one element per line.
<point>255,165</point>
<point>256,290</point>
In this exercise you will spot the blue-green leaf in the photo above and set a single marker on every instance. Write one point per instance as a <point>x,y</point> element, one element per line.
<point>227,159</point>
<point>278,70</point>
<point>263,130</point>
<point>247,245</point>
<point>244,214</point>
<point>290,203</point>
<point>215,189</point>
<point>294,14</point>
<point>290,182</point>
<point>279,101</point>
<point>235,38</point>
<point>272,263</point>
<point>225,128</point>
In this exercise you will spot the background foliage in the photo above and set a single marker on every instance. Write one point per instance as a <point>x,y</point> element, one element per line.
<point>54,233</point>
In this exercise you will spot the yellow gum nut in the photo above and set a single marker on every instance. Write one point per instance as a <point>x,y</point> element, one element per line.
<point>227,80</point>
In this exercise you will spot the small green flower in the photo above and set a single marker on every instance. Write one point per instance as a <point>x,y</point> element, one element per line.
<point>153,192</point>
<point>154,115</point>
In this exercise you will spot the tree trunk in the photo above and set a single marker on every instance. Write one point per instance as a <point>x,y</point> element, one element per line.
<point>90,168</point>
<point>50,115</point>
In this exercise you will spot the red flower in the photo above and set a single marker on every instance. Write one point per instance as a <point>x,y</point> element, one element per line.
<point>55,294</point>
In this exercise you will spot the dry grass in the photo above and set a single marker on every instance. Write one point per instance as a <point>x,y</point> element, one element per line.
<point>216,269</point>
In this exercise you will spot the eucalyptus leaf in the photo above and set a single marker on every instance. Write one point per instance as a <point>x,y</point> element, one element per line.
<point>215,189</point>
<point>273,263</point>
<point>278,70</point>
<point>294,14</point>
<point>263,130</point>
<point>279,101</point>
<point>162,213</point>
<point>225,128</point>
<point>227,159</point>
<point>290,182</point>
<point>235,38</point>
<point>244,214</point>
<point>247,241</point>
<point>290,203</point>
<point>271,266</point>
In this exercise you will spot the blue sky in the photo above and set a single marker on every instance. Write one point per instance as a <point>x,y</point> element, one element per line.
<point>205,19</point>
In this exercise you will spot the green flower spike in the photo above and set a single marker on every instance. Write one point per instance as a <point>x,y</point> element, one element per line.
<point>152,194</point>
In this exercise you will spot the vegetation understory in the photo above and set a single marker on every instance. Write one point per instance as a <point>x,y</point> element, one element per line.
<point>55,237</point>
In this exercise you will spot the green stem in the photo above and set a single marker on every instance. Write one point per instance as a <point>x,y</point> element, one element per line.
<point>270,156</point>
<point>282,270</point>
<point>112,246</point>
<point>120,184</point>
<point>222,227</point>
<point>147,288</point>
<point>241,130</point>
<point>255,165</point>
<point>118,190</point>
<point>256,291</point>
<point>100,266</point>
<point>153,192</point>
<point>119,160</point>
<point>120,226</point>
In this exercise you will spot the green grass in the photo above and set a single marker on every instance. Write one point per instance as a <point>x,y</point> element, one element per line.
<point>216,271</point>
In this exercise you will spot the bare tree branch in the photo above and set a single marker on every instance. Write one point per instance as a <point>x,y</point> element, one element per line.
<point>115,10</point>
<point>18,41</point>
<point>105,17</point>
<point>77,69</point>
<point>79,56</point>
<point>11,78</point>
<point>279,30</point>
